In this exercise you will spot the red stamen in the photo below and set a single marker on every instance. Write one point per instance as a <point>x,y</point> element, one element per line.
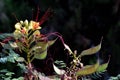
<point>45,16</point>
<point>37,14</point>
<point>35,25</point>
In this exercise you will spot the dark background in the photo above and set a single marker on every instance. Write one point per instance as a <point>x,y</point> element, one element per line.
<point>81,22</point>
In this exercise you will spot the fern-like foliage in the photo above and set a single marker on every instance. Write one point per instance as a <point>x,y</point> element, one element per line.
<point>5,74</point>
<point>96,75</point>
<point>5,35</point>
<point>60,64</point>
<point>3,59</point>
<point>8,60</point>
<point>115,78</point>
<point>10,57</point>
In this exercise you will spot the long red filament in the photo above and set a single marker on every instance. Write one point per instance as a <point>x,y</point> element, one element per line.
<point>38,11</point>
<point>45,16</point>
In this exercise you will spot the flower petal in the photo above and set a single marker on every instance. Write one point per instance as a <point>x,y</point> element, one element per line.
<point>18,26</point>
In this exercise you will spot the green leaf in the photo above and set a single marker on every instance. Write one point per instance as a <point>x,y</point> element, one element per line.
<point>4,70</point>
<point>10,45</point>
<point>5,35</point>
<point>20,78</point>
<point>41,55</point>
<point>60,64</point>
<point>91,51</point>
<point>5,74</point>
<point>3,60</point>
<point>51,42</point>
<point>58,71</point>
<point>44,47</point>
<point>22,66</point>
<point>37,32</point>
<point>68,48</point>
<point>13,44</point>
<point>6,46</point>
<point>43,77</point>
<point>103,67</point>
<point>40,50</point>
<point>86,70</point>
<point>12,56</point>
<point>9,73</point>
<point>20,59</point>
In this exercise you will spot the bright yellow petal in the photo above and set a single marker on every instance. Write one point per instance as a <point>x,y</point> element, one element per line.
<point>21,22</point>
<point>30,25</point>
<point>26,23</point>
<point>18,26</point>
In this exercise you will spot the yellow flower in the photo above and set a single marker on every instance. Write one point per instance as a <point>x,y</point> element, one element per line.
<point>18,26</point>
<point>26,23</point>
<point>22,26</point>
<point>34,25</point>
<point>21,22</point>
<point>23,30</point>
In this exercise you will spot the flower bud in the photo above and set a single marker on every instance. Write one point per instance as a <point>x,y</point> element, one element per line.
<point>26,23</point>
<point>18,26</point>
